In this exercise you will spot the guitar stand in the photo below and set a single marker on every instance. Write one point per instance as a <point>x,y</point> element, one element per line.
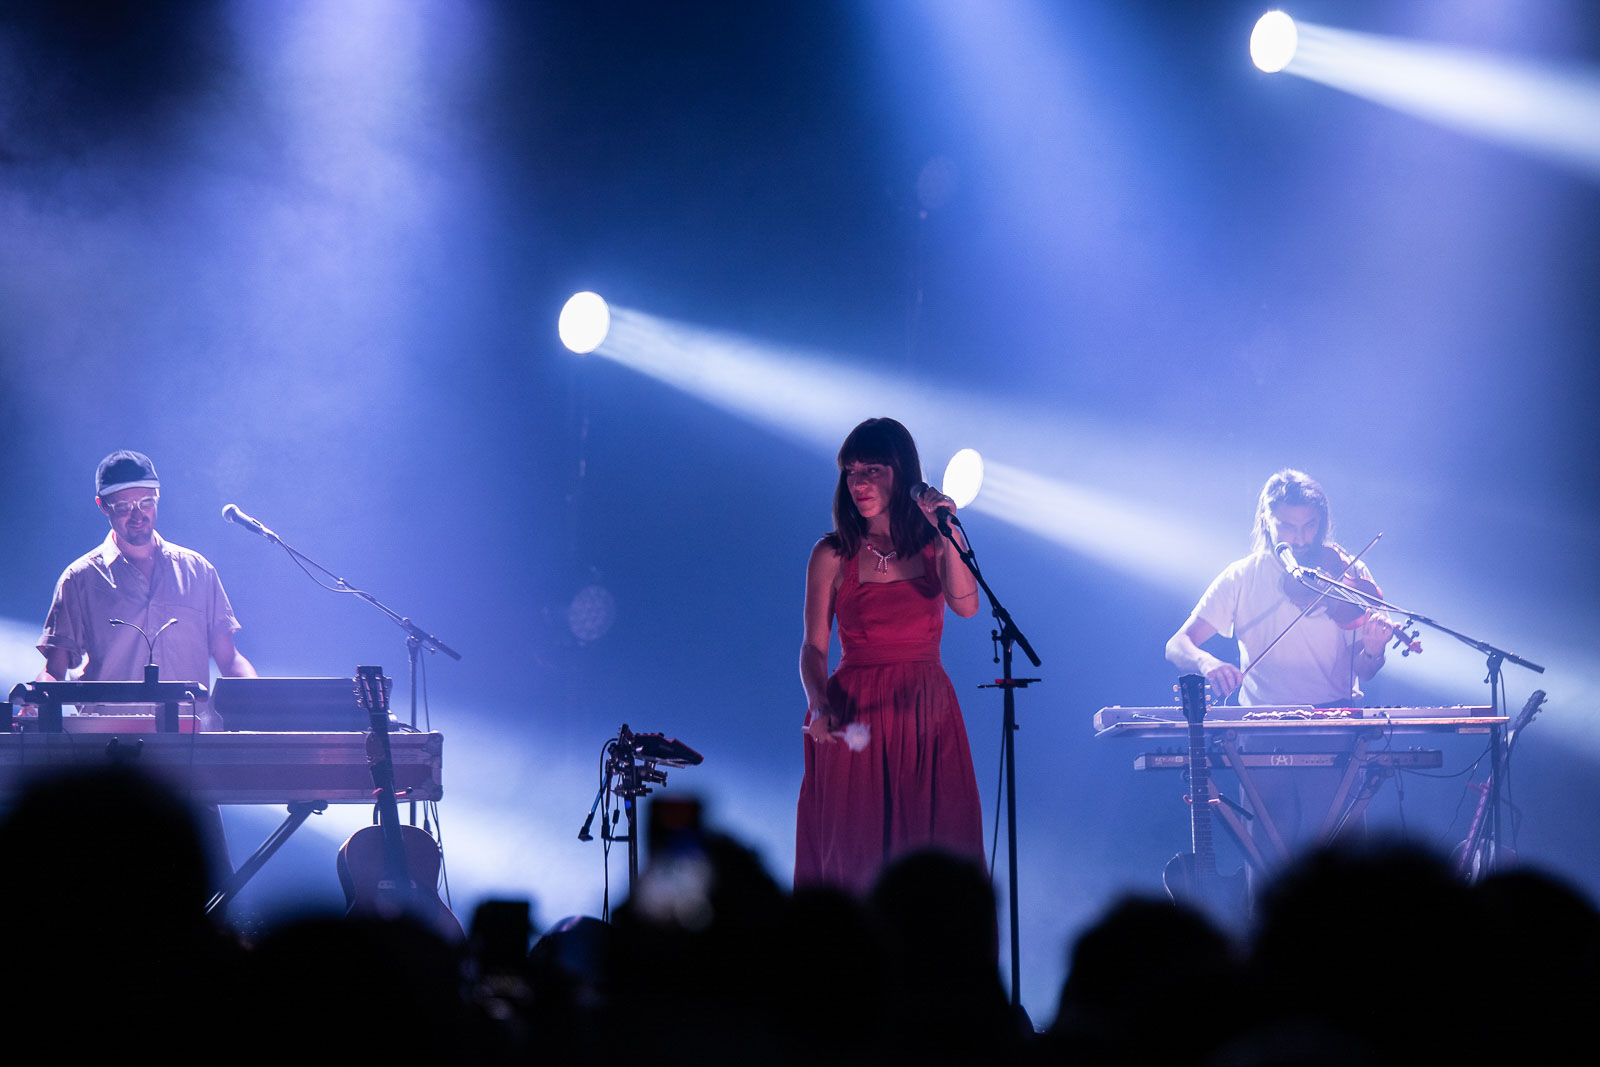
<point>1232,819</point>
<point>299,812</point>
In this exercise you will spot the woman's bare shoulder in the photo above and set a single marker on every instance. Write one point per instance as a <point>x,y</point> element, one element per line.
<point>825,553</point>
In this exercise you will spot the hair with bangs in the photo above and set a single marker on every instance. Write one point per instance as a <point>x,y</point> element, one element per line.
<point>880,441</point>
<point>1296,489</point>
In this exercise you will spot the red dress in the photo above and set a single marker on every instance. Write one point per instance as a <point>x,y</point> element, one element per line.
<point>912,785</point>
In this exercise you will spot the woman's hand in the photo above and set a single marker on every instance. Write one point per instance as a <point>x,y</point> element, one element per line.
<point>931,501</point>
<point>820,723</point>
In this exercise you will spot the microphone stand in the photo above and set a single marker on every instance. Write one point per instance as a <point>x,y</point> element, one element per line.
<point>1006,637</point>
<point>625,763</point>
<point>1495,658</point>
<point>416,637</point>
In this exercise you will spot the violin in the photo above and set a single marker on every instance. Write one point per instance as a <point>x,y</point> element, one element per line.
<point>1333,565</point>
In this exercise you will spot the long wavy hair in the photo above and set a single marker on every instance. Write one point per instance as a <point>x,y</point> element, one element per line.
<point>880,441</point>
<point>1294,488</point>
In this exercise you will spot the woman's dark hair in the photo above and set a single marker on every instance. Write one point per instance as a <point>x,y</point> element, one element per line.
<point>887,442</point>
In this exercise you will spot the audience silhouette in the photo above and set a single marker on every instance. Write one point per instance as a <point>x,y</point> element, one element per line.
<point>1366,953</point>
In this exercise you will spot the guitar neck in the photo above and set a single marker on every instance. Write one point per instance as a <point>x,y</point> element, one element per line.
<point>382,763</point>
<point>374,698</point>
<point>1200,801</point>
<point>1192,698</point>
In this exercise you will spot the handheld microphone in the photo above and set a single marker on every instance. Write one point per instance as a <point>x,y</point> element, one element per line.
<point>944,511</point>
<point>232,514</point>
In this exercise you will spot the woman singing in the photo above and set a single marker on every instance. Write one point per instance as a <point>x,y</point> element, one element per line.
<point>887,763</point>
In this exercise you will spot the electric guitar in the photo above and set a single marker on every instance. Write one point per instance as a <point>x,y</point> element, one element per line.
<point>1191,877</point>
<point>391,869</point>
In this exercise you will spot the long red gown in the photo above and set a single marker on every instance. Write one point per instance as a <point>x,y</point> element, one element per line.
<point>912,785</point>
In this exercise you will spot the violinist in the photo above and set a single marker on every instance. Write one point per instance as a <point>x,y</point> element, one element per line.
<point>1325,657</point>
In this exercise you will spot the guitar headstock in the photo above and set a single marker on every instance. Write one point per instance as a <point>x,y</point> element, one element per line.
<point>1535,701</point>
<point>1192,697</point>
<point>372,690</point>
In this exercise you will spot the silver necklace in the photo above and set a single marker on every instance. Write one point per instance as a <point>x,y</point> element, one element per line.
<point>882,566</point>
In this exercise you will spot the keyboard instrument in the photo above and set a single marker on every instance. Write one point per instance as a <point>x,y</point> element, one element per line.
<point>237,768</point>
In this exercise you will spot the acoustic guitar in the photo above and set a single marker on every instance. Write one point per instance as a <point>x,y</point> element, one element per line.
<point>391,869</point>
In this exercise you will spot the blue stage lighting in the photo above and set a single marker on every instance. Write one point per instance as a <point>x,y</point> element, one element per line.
<point>963,477</point>
<point>1273,41</point>
<point>584,322</point>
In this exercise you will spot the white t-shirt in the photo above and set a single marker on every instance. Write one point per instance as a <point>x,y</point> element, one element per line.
<point>1311,665</point>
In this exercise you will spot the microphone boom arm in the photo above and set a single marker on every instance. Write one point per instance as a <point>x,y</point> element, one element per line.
<point>339,585</point>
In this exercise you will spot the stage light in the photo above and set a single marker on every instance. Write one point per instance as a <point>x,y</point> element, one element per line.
<point>1273,41</point>
<point>584,323</point>
<point>963,477</point>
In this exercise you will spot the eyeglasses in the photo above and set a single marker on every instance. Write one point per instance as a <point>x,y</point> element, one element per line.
<point>123,508</point>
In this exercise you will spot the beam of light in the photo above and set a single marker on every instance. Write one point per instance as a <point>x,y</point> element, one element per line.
<point>351,181</point>
<point>963,477</point>
<point>585,320</point>
<point>1128,536</point>
<point>1542,109</point>
<point>796,392</point>
<point>1273,41</point>
<point>788,390</point>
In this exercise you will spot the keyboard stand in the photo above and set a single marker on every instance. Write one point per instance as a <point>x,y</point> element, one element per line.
<point>299,812</point>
